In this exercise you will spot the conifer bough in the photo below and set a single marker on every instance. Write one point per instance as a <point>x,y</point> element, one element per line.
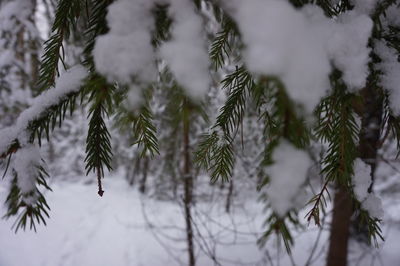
<point>315,72</point>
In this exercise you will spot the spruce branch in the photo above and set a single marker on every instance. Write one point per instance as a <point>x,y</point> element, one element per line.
<point>98,141</point>
<point>279,226</point>
<point>97,25</point>
<point>222,161</point>
<point>142,129</point>
<point>67,13</point>
<point>319,203</point>
<point>163,23</point>
<point>206,147</point>
<point>31,207</point>
<point>238,84</point>
<point>338,127</point>
<point>52,117</point>
<point>221,45</point>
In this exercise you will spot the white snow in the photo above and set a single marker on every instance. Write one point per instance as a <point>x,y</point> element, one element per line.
<point>126,228</point>
<point>364,6</point>
<point>390,79</point>
<point>68,82</point>
<point>299,46</point>
<point>373,205</point>
<point>186,54</point>
<point>361,182</point>
<point>87,230</point>
<point>125,53</point>
<point>361,179</point>
<point>287,175</point>
<point>25,163</point>
<point>348,48</point>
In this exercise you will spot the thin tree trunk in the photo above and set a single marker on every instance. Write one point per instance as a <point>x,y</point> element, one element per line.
<point>34,52</point>
<point>229,197</point>
<point>340,228</point>
<point>370,112</point>
<point>134,171</point>
<point>188,185</point>
<point>371,120</point>
<point>142,187</point>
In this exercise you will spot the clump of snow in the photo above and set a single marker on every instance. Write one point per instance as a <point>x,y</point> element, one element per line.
<point>298,46</point>
<point>361,179</point>
<point>186,52</point>
<point>361,183</point>
<point>125,54</point>
<point>348,48</point>
<point>69,82</point>
<point>364,6</point>
<point>390,78</point>
<point>373,205</point>
<point>285,48</point>
<point>25,163</point>
<point>287,174</point>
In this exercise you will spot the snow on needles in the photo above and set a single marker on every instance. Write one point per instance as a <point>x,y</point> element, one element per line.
<point>125,54</point>
<point>186,53</point>
<point>25,163</point>
<point>69,82</point>
<point>361,180</point>
<point>390,78</point>
<point>361,183</point>
<point>287,174</point>
<point>299,46</point>
<point>364,6</point>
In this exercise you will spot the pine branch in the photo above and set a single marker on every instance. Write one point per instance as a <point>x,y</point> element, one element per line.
<point>144,132</point>
<point>221,47</point>
<point>53,116</point>
<point>98,142</point>
<point>204,152</point>
<point>222,162</point>
<point>319,202</point>
<point>162,24</point>
<point>215,153</point>
<point>66,15</point>
<point>373,227</point>
<point>46,111</point>
<point>338,127</point>
<point>238,83</point>
<point>97,25</point>
<point>279,226</point>
<point>32,206</point>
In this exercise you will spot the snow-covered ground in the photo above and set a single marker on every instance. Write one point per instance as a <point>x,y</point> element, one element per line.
<point>126,228</point>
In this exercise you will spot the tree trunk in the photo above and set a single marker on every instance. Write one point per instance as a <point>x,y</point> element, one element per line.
<point>188,185</point>
<point>134,171</point>
<point>229,197</point>
<point>371,120</point>
<point>370,112</point>
<point>340,228</point>
<point>142,187</point>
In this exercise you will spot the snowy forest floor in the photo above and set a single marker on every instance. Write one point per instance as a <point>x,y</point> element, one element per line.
<point>127,228</point>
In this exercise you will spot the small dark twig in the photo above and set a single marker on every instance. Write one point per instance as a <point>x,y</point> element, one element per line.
<point>101,191</point>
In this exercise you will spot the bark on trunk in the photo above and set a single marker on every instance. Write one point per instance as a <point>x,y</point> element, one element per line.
<point>188,185</point>
<point>340,228</point>
<point>370,112</point>
<point>229,197</point>
<point>143,181</point>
